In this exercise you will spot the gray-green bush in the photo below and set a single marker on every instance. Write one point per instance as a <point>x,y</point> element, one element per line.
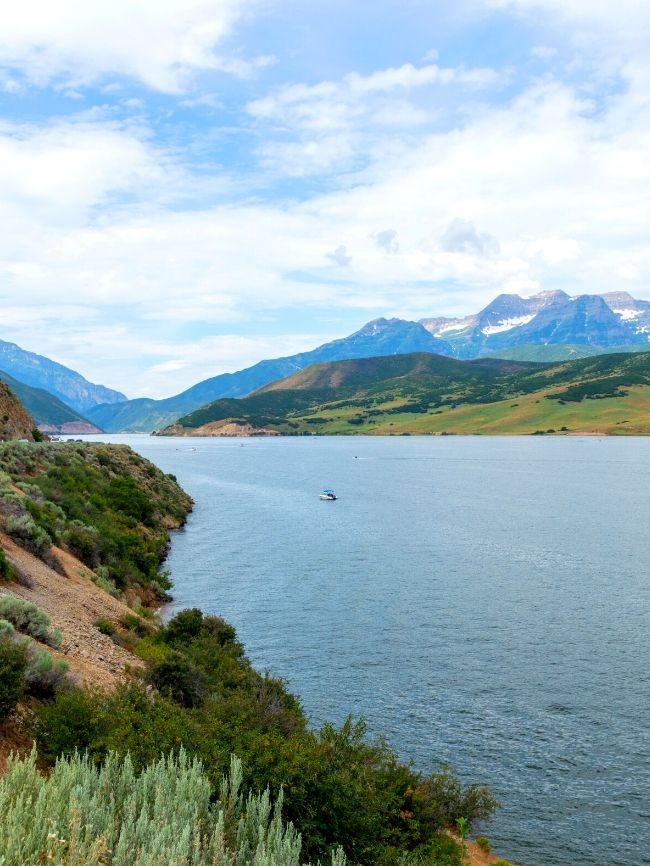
<point>13,664</point>
<point>44,676</point>
<point>27,618</point>
<point>82,814</point>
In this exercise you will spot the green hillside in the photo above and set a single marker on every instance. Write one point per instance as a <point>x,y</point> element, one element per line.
<point>423,393</point>
<point>553,352</point>
<point>45,408</point>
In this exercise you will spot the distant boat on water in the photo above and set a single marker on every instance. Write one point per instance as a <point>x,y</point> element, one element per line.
<point>328,495</point>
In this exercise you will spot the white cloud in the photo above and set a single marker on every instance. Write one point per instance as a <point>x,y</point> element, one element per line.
<point>387,240</point>
<point>600,25</point>
<point>337,124</point>
<point>461,236</point>
<point>90,234</point>
<point>161,43</point>
<point>340,256</point>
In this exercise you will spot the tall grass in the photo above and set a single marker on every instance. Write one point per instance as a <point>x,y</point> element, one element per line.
<point>85,815</point>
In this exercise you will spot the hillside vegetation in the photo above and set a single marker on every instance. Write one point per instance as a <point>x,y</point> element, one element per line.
<point>105,504</point>
<point>422,393</point>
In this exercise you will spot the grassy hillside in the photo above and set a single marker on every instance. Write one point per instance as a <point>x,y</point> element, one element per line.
<point>551,352</point>
<point>46,409</point>
<point>105,504</point>
<point>424,393</point>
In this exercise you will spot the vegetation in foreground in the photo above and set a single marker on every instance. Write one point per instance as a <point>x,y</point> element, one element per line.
<point>200,691</point>
<point>82,814</point>
<point>105,504</point>
<point>423,393</point>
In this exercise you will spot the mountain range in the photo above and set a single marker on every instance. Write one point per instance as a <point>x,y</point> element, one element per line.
<point>380,337</point>
<point>519,327</point>
<point>548,318</point>
<point>548,326</point>
<point>41,372</point>
<point>50,414</point>
<point>424,393</point>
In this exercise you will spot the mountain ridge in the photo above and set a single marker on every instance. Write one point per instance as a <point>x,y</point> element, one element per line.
<point>50,415</point>
<point>602,323</point>
<point>62,382</point>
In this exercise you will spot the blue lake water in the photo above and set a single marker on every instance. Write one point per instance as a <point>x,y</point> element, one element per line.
<point>481,601</point>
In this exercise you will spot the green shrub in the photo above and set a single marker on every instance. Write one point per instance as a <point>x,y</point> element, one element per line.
<point>13,664</point>
<point>7,572</point>
<point>134,623</point>
<point>28,618</point>
<point>178,679</point>
<point>484,844</point>
<point>25,530</point>
<point>71,722</point>
<point>44,676</point>
<point>184,627</point>
<point>105,626</point>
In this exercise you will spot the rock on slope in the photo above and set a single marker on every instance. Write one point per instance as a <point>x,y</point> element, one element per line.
<point>15,422</point>
<point>73,603</point>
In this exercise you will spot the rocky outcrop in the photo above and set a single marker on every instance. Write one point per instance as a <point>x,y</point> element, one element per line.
<point>225,427</point>
<point>15,422</point>
<point>70,428</point>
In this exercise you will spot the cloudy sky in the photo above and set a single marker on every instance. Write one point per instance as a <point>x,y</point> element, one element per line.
<point>188,186</point>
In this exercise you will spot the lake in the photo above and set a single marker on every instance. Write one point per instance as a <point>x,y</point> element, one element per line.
<point>484,602</point>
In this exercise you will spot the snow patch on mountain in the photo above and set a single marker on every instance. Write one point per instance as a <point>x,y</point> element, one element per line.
<point>627,315</point>
<point>507,324</point>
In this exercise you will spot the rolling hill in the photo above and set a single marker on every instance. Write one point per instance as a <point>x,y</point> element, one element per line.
<point>548,326</point>
<point>424,393</point>
<point>380,337</point>
<point>50,414</point>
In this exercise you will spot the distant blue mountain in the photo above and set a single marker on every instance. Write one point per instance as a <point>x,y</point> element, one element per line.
<point>377,338</point>
<point>40,372</point>
<point>519,327</point>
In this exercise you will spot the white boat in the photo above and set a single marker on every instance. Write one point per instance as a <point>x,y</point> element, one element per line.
<point>328,495</point>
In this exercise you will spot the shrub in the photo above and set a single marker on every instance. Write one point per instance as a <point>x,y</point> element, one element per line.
<point>180,680</point>
<point>44,676</point>
<point>105,626</point>
<point>13,664</point>
<point>484,844</point>
<point>26,617</point>
<point>84,542</point>
<point>166,814</point>
<point>134,623</point>
<point>28,533</point>
<point>184,627</point>
<point>7,572</point>
<point>71,722</point>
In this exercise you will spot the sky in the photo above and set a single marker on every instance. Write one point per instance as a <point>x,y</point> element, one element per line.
<point>190,186</point>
